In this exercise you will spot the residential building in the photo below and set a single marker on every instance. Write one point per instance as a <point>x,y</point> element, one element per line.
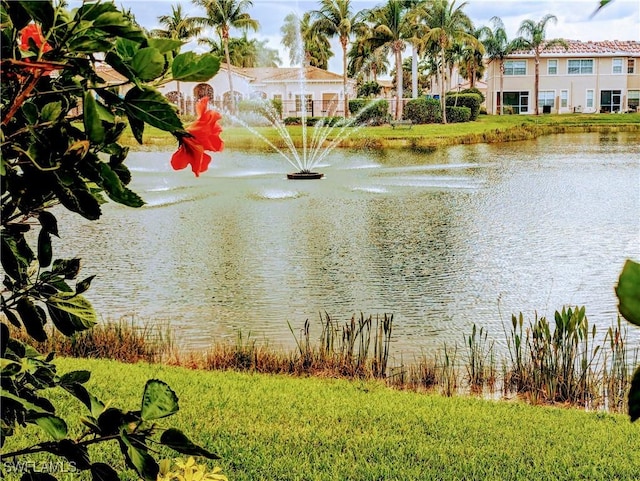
<point>321,90</point>
<point>585,77</point>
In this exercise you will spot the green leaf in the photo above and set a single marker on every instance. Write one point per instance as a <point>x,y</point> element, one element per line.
<point>15,259</point>
<point>45,252</point>
<point>137,127</point>
<point>75,377</point>
<point>148,105</point>
<point>95,406</point>
<point>7,396</point>
<point>92,123</point>
<point>41,12</point>
<point>139,459</point>
<point>628,292</point>
<point>177,441</point>
<point>71,313</point>
<point>12,318</point>
<point>48,222</point>
<point>51,112</point>
<point>84,285</point>
<point>164,45</point>
<point>148,63</point>
<point>33,318</point>
<point>158,401</point>
<point>9,368</point>
<point>52,425</point>
<point>190,67</point>
<point>68,268</point>
<point>634,396</point>
<point>103,472</point>
<point>122,67</point>
<point>115,190</point>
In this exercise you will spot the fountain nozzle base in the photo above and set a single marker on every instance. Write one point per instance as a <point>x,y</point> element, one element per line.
<point>305,176</point>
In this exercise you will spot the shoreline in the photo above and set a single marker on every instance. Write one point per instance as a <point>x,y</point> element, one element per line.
<point>421,138</point>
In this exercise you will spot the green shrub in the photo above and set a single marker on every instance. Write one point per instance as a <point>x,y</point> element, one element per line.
<point>458,114</point>
<point>277,106</point>
<point>476,91</point>
<point>369,111</point>
<point>311,121</point>
<point>423,111</point>
<point>472,101</point>
<point>369,89</point>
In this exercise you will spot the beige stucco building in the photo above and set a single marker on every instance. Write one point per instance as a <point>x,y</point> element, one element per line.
<point>322,90</point>
<point>586,77</point>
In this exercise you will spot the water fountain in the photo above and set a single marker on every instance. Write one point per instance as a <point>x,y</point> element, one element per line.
<point>316,142</point>
<point>315,139</point>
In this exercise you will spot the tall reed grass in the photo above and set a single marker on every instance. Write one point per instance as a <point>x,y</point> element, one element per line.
<point>558,361</point>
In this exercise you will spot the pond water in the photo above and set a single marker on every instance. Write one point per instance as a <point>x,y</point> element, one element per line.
<point>469,234</point>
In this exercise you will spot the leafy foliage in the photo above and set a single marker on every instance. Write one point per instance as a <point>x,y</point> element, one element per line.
<point>423,111</point>
<point>471,101</point>
<point>628,292</point>
<point>61,124</point>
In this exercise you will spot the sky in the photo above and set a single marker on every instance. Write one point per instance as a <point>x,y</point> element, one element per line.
<point>620,20</point>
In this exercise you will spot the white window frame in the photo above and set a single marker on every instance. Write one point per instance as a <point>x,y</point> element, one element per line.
<point>552,67</point>
<point>616,66</point>
<point>581,66</point>
<point>564,99</point>
<point>633,94</point>
<point>590,98</point>
<point>510,67</point>
<point>546,96</point>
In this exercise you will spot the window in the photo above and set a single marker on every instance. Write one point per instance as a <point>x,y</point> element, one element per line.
<point>631,65</point>
<point>515,67</point>
<point>564,98</point>
<point>516,102</point>
<point>589,102</point>
<point>546,98</point>
<point>552,67</point>
<point>580,67</point>
<point>309,105</point>
<point>634,99</point>
<point>617,65</point>
<point>610,100</point>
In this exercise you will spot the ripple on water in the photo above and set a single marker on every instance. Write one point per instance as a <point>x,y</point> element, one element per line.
<point>276,194</point>
<point>371,190</point>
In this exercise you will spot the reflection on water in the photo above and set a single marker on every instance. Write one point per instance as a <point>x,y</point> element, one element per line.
<point>465,235</point>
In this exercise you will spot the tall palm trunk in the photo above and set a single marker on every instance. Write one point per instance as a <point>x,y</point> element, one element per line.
<point>501,87</point>
<point>536,82</point>
<point>443,88</point>
<point>343,42</point>
<point>399,94</point>
<point>225,40</point>
<point>414,71</point>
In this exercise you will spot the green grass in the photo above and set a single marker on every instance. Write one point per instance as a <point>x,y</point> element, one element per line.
<point>488,128</point>
<point>269,427</point>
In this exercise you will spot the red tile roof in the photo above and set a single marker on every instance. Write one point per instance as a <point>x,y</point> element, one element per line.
<point>625,48</point>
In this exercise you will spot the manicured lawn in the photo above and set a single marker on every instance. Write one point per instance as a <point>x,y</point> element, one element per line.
<point>488,128</point>
<point>269,427</point>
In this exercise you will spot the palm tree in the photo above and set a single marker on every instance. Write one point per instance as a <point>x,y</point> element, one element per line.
<point>418,29</point>
<point>498,47</point>
<point>391,28</point>
<point>532,38</point>
<point>266,56</point>
<point>177,26</point>
<point>305,43</point>
<point>242,51</point>
<point>448,24</point>
<point>366,60</point>
<point>470,63</point>
<point>223,15</point>
<point>336,18</point>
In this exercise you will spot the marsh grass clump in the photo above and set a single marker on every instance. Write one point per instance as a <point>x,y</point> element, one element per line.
<point>554,364</point>
<point>123,340</point>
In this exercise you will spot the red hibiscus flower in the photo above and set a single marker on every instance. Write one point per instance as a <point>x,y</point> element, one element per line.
<point>33,32</point>
<point>32,35</point>
<point>204,135</point>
